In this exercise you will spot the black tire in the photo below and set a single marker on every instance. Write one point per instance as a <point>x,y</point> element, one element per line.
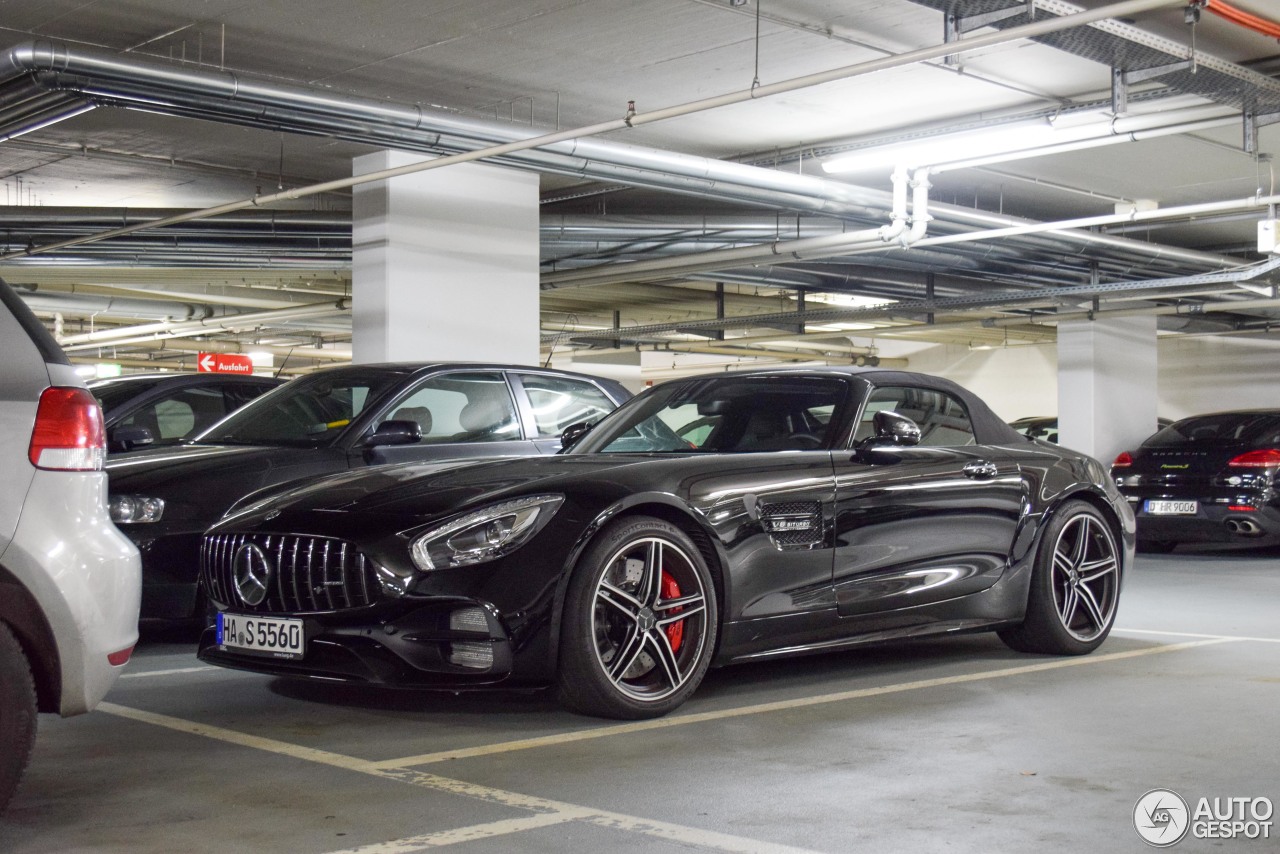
<point>1157,547</point>
<point>1075,586</point>
<point>640,622</point>
<point>17,714</point>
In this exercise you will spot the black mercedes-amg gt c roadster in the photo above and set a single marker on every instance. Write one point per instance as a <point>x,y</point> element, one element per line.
<point>707,521</point>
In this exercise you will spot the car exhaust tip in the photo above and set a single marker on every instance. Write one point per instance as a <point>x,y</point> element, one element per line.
<point>1244,527</point>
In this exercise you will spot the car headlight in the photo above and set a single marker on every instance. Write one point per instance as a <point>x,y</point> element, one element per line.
<point>484,534</point>
<point>134,509</point>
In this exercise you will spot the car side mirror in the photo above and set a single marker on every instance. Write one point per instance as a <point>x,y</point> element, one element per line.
<point>894,429</point>
<point>573,434</point>
<point>393,432</point>
<point>129,436</point>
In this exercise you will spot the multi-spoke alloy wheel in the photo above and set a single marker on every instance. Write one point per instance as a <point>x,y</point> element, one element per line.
<point>1075,585</point>
<point>1086,578</point>
<point>639,622</point>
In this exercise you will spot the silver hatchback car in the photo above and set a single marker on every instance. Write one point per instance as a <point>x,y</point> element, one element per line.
<point>69,580</point>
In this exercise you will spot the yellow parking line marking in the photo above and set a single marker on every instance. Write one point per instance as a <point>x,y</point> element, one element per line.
<point>1195,635</point>
<point>781,705</point>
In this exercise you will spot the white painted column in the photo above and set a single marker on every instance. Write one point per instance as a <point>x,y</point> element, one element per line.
<point>444,264</point>
<point>1106,384</point>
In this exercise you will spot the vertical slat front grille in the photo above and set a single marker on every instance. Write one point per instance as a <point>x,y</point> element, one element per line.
<point>310,574</point>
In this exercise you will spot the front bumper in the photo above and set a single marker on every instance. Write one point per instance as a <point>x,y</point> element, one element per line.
<point>448,644</point>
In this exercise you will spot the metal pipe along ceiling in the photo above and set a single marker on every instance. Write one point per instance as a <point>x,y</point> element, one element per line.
<point>231,97</point>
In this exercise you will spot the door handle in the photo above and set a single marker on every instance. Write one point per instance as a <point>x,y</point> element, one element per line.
<point>980,470</point>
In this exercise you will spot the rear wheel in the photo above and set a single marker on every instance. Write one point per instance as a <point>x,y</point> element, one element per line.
<point>1075,586</point>
<point>17,714</point>
<point>640,622</point>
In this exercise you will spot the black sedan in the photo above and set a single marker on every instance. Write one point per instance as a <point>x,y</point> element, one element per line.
<point>821,509</point>
<point>332,421</point>
<point>162,409</point>
<point>1207,478</point>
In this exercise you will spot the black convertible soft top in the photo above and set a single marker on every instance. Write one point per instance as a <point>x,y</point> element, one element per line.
<point>988,428</point>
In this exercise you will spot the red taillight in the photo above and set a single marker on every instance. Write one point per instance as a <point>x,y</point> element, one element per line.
<point>68,435</point>
<point>118,659</point>
<point>1265,458</point>
<point>1123,461</point>
<point>1242,508</point>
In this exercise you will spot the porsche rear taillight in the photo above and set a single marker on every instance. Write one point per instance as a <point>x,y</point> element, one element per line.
<point>1123,461</point>
<point>68,434</point>
<point>1259,459</point>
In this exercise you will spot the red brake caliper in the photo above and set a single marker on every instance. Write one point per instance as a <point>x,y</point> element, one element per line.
<point>675,631</point>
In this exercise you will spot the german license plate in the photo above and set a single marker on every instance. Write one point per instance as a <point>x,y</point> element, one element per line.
<point>277,637</point>
<point>1172,508</point>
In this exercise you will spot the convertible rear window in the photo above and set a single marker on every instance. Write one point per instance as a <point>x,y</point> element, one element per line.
<point>725,415</point>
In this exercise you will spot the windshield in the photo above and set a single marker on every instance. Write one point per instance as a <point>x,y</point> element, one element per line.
<point>309,412</point>
<point>112,394</point>
<point>724,415</point>
<point>1223,428</point>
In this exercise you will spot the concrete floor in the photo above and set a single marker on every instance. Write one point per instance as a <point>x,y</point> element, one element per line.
<point>956,745</point>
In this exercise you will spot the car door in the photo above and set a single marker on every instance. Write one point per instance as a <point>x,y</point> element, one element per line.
<point>554,402</point>
<point>466,413</point>
<point>754,456</point>
<point>920,524</point>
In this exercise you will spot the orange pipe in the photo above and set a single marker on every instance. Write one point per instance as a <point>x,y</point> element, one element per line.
<point>1242,18</point>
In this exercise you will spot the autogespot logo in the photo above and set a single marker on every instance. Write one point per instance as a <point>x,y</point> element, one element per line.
<point>1161,818</point>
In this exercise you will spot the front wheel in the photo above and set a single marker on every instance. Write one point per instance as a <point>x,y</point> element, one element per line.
<point>640,622</point>
<point>17,714</point>
<point>1075,586</point>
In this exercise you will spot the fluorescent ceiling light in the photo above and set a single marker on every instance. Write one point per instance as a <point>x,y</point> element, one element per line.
<point>1022,139</point>
<point>839,327</point>
<point>846,300</point>
<point>944,149</point>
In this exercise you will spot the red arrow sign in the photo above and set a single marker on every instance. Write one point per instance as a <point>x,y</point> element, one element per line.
<point>224,363</point>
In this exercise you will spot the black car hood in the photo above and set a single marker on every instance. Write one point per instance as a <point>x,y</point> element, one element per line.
<point>150,467</point>
<point>199,482</point>
<point>405,494</point>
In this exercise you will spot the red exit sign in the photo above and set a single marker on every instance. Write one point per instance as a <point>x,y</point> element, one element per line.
<point>224,363</point>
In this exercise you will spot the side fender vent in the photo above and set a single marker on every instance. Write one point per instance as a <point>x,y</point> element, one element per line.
<point>793,524</point>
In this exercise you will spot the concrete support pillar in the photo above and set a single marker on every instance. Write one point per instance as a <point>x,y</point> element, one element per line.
<point>444,264</point>
<point>1106,384</point>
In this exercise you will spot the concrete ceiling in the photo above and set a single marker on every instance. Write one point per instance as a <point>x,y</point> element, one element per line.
<point>547,64</point>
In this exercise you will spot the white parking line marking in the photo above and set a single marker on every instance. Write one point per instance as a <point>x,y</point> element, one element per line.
<point>1195,635</point>
<point>140,673</point>
<point>550,809</point>
<point>464,834</point>
<point>242,739</point>
<point>781,705</point>
<point>549,812</point>
<point>570,812</point>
